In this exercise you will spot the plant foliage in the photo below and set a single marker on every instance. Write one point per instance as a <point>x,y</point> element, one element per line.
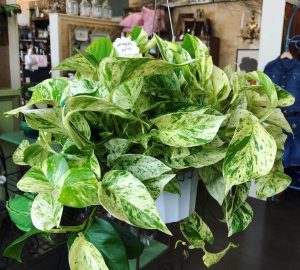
<point>116,135</point>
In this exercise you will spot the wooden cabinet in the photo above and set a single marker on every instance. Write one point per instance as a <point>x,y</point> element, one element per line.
<point>62,27</point>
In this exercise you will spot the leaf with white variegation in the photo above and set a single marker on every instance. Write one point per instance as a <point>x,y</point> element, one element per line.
<point>126,94</point>
<point>214,182</point>
<point>195,231</point>
<point>115,71</point>
<point>186,129</point>
<point>284,97</point>
<point>35,181</point>
<point>251,153</point>
<point>196,157</point>
<point>173,187</point>
<point>274,117</point>
<point>267,86</point>
<point>141,166</point>
<point>18,156</point>
<point>273,183</point>
<point>46,212</point>
<point>210,259</point>
<point>156,185</point>
<point>83,255</point>
<point>80,188</point>
<point>35,154</point>
<point>49,120</point>
<point>127,199</point>
<point>278,135</point>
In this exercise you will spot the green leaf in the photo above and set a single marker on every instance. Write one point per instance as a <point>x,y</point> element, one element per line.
<point>87,87</point>
<point>214,182</point>
<point>173,187</point>
<point>156,185</point>
<point>284,98</point>
<point>273,183</point>
<point>115,71</point>
<point>126,94</point>
<point>54,168</point>
<point>186,129</point>
<point>46,212</point>
<point>140,37</point>
<point>195,231</point>
<point>196,157</point>
<point>35,154</point>
<point>80,188</point>
<point>118,146</point>
<point>18,156</point>
<point>126,198</point>
<point>83,255</point>
<point>77,63</point>
<point>14,250</point>
<point>134,247</point>
<point>275,117</point>
<point>141,166</point>
<point>108,242</point>
<point>267,85</point>
<point>34,181</point>
<point>238,213</point>
<point>100,48</point>
<point>278,135</point>
<point>210,259</point>
<point>80,124</point>
<point>89,104</point>
<point>251,153</point>
<point>49,120</point>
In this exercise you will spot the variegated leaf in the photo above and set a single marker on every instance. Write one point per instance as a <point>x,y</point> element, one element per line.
<point>54,168</point>
<point>236,116</point>
<point>89,104</point>
<point>49,120</point>
<point>77,63</point>
<point>284,98</point>
<point>140,37</point>
<point>196,157</point>
<point>118,146</point>
<point>214,182</point>
<point>126,94</point>
<point>251,153</point>
<point>141,166</point>
<point>195,231</point>
<point>34,181</point>
<point>186,129</point>
<point>87,87</point>
<point>115,71</point>
<point>35,154</point>
<point>238,213</point>
<point>18,156</point>
<point>278,135</point>
<point>210,259</point>
<point>218,85</point>
<point>173,187</point>
<point>46,212</point>
<point>83,255</point>
<point>273,183</point>
<point>126,198</point>
<point>80,124</point>
<point>266,84</point>
<point>274,117</point>
<point>156,185</point>
<point>80,188</point>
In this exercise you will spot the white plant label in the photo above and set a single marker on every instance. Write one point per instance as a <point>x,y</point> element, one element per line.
<point>125,47</point>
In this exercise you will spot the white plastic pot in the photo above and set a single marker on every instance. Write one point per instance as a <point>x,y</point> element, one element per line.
<point>173,207</point>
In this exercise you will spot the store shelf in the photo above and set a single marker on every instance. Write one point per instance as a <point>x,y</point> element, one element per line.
<point>184,4</point>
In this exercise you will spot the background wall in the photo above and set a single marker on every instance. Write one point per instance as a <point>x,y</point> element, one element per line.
<point>226,24</point>
<point>4,57</point>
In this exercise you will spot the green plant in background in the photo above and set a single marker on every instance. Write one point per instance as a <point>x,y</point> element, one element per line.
<point>116,135</point>
<point>8,11</point>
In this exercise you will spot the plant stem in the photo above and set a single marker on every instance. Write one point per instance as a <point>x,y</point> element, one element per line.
<point>90,219</point>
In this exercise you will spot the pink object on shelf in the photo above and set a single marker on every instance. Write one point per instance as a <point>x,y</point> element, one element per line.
<point>148,18</point>
<point>132,20</point>
<point>41,60</point>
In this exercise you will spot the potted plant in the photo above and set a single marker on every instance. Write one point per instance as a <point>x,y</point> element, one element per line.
<point>116,136</point>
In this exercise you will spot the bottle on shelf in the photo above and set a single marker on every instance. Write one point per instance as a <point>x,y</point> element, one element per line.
<point>85,8</point>
<point>96,9</point>
<point>72,7</point>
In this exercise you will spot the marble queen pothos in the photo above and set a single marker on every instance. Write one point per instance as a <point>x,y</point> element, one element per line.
<point>124,126</point>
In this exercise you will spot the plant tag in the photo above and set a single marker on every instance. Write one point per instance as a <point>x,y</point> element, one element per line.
<point>125,47</point>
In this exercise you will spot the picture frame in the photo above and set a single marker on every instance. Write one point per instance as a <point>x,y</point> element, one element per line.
<point>247,60</point>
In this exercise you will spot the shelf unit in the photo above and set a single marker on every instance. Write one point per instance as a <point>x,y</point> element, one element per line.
<point>186,4</point>
<point>32,36</point>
